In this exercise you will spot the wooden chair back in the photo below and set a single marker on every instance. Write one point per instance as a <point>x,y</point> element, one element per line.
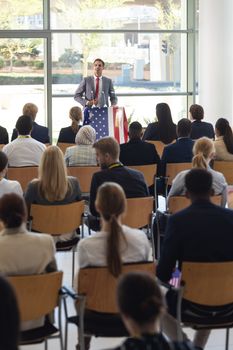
<point>103,299</point>
<point>56,219</point>
<point>172,169</point>
<point>64,146</point>
<point>226,168</point>
<point>139,211</point>
<point>84,175</point>
<point>2,145</point>
<point>208,283</point>
<point>23,175</point>
<point>149,172</point>
<point>37,295</point>
<point>177,203</point>
<point>159,145</point>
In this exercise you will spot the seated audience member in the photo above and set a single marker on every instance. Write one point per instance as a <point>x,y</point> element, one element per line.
<point>136,151</point>
<point>164,129</point>
<point>142,306</point>
<point>203,151</point>
<point>9,317</point>
<point>132,181</point>
<point>7,186</point>
<point>67,135</point>
<point>83,153</point>
<point>182,150</point>
<point>4,138</point>
<point>224,140</point>
<point>199,128</point>
<point>115,244</point>
<point>200,233</point>
<point>53,185</point>
<point>39,132</point>
<point>23,252</point>
<point>24,151</point>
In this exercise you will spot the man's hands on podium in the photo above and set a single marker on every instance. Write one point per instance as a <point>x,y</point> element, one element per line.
<point>90,103</point>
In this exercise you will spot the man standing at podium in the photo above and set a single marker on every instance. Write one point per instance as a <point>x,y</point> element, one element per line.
<point>95,90</point>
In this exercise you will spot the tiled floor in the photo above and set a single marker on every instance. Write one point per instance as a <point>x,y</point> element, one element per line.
<point>216,340</point>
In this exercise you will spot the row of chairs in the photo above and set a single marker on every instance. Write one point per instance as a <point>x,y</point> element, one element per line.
<point>201,283</point>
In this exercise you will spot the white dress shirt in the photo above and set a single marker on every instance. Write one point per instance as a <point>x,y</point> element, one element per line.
<point>92,250</point>
<point>9,186</point>
<point>24,151</point>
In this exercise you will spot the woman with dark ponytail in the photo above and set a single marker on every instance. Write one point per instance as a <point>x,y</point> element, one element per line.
<point>115,243</point>
<point>142,306</point>
<point>224,141</point>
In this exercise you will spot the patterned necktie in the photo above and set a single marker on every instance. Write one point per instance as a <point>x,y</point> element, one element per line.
<point>97,87</point>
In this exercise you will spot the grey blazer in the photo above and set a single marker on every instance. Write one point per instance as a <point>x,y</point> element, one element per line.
<point>87,88</point>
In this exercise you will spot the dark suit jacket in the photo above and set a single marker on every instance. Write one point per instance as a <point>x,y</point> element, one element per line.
<point>67,135</point>
<point>86,90</point>
<point>4,138</point>
<point>179,152</point>
<point>152,133</point>
<point>203,232</point>
<point>132,182</point>
<point>200,129</point>
<point>39,133</point>
<point>138,152</point>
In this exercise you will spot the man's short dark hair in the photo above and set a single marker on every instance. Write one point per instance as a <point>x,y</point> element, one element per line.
<point>108,145</point>
<point>135,130</point>
<point>99,59</point>
<point>184,126</point>
<point>198,182</point>
<point>24,125</point>
<point>3,161</point>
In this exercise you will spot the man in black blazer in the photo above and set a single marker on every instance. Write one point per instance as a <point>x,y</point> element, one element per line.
<point>4,138</point>
<point>132,181</point>
<point>182,150</point>
<point>203,232</point>
<point>39,132</point>
<point>136,151</point>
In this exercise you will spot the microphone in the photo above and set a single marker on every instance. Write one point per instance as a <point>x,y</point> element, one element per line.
<point>104,99</point>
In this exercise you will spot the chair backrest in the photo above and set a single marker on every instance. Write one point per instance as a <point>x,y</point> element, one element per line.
<point>208,283</point>
<point>149,171</point>
<point>139,211</point>
<point>64,146</point>
<point>159,145</point>
<point>172,169</point>
<point>23,175</point>
<point>99,286</point>
<point>37,295</point>
<point>2,145</point>
<point>177,203</point>
<point>57,219</point>
<point>84,175</point>
<point>226,168</point>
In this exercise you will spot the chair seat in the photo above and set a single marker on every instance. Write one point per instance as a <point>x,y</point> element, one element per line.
<point>37,335</point>
<point>203,316</point>
<point>101,324</point>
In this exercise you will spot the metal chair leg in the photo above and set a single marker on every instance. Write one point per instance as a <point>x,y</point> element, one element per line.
<point>227,338</point>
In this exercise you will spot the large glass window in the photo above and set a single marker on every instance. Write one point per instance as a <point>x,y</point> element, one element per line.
<point>21,78</point>
<point>18,14</point>
<point>149,47</point>
<point>137,62</point>
<point>118,14</point>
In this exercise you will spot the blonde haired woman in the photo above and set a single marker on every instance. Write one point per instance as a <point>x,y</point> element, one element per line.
<point>115,243</point>
<point>67,135</point>
<point>53,186</point>
<point>203,153</point>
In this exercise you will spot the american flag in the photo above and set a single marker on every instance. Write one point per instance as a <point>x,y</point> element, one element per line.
<point>108,121</point>
<point>175,280</point>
